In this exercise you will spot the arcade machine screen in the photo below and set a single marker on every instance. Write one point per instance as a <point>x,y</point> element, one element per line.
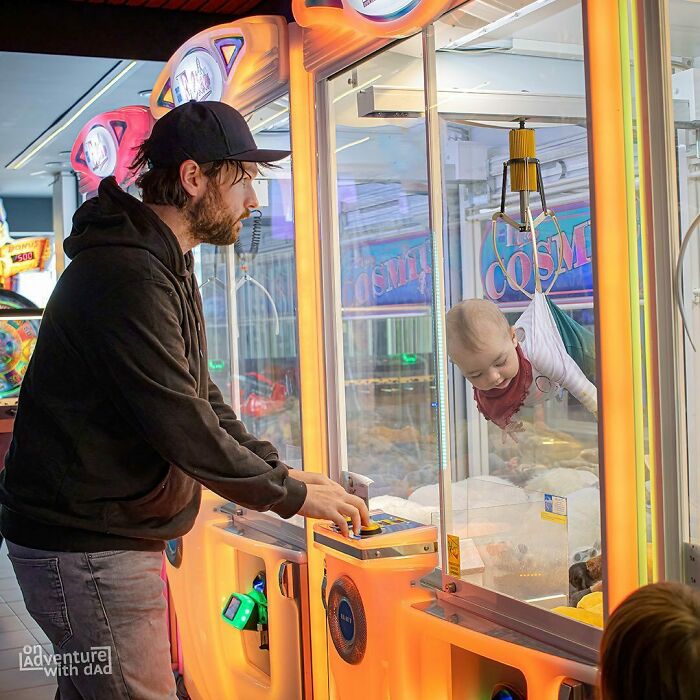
<point>17,339</point>
<point>20,260</point>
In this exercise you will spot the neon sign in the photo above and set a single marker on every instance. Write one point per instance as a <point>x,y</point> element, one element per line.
<point>107,144</point>
<point>576,278</point>
<point>384,18</point>
<point>387,272</point>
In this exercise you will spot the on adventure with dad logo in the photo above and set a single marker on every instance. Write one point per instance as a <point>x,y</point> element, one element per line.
<point>97,661</point>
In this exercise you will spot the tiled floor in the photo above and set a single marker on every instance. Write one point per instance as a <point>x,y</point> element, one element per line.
<point>18,629</point>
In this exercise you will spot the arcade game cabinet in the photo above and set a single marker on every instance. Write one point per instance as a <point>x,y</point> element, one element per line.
<point>238,579</point>
<point>19,320</point>
<point>401,239</point>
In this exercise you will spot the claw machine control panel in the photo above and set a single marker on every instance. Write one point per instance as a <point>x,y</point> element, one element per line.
<point>370,577</point>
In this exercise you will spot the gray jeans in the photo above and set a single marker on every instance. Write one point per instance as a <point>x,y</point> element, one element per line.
<point>111,602</point>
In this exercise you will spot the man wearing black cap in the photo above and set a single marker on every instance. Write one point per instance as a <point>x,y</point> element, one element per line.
<point>119,423</point>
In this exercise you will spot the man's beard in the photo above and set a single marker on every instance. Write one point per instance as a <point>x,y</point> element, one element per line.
<point>209,220</point>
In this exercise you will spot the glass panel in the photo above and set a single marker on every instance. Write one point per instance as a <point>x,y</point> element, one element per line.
<point>685,50</point>
<point>525,500</point>
<point>268,363</point>
<point>259,313</point>
<point>385,272</point>
<point>212,273</point>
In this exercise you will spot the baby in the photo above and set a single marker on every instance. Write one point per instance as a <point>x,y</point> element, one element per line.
<point>513,367</point>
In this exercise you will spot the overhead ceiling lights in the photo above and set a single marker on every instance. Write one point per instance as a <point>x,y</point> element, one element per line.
<point>265,122</point>
<point>499,23</point>
<point>31,150</point>
<point>352,143</point>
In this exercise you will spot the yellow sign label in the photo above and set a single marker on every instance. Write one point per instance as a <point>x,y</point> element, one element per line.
<point>454,566</point>
<point>553,517</point>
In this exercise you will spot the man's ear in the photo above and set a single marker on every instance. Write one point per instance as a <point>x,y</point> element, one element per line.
<point>513,336</point>
<point>192,178</point>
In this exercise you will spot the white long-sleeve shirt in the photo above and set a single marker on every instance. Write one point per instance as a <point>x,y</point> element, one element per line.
<point>552,367</point>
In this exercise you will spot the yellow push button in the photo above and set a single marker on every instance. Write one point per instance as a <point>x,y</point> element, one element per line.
<point>367,530</point>
<point>371,529</point>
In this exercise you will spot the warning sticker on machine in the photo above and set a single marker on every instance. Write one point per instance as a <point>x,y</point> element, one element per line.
<point>454,567</point>
<point>554,508</point>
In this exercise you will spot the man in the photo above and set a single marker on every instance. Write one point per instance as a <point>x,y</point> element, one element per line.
<point>119,422</point>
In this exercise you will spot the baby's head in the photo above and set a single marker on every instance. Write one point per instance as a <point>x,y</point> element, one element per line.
<point>651,645</point>
<point>482,344</point>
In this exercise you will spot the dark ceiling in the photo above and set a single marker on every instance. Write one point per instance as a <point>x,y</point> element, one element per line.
<point>138,29</point>
<point>219,6</point>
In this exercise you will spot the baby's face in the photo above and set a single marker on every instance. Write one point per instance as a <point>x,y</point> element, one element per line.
<point>491,367</point>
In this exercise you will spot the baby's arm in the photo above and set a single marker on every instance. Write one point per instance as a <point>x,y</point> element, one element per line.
<point>578,385</point>
<point>551,359</point>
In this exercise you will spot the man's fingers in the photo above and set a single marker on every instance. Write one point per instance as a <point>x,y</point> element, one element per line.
<point>361,507</point>
<point>350,509</point>
<point>342,524</point>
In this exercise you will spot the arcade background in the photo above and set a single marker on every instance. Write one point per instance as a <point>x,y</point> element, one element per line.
<point>57,57</point>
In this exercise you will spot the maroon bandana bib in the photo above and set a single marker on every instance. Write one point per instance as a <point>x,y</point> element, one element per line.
<point>500,405</point>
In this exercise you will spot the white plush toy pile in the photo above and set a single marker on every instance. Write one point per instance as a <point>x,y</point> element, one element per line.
<point>478,498</point>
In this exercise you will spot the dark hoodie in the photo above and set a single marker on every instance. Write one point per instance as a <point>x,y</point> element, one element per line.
<point>118,421</point>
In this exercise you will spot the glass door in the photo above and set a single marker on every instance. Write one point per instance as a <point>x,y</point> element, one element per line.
<point>381,242</point>
<point>522,508</point>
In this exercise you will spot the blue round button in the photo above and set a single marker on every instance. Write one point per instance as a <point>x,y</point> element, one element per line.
<point>346,620</point>
<point>503,695</point>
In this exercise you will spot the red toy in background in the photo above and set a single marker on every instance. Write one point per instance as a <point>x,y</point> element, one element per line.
<point>107,144</point>
<point>260,396</point>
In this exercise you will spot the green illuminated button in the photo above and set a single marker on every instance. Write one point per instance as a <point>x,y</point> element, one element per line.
<point>241,611</point>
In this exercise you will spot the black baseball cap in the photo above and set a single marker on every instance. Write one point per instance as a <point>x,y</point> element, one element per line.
<point>205,132</point>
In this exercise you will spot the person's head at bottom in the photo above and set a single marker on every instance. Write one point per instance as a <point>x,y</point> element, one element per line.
<point>651,646</point>
<point>198,165</point>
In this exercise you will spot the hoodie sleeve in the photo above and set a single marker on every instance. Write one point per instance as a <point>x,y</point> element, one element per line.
<point>236,429</point>
<point>136,346</point>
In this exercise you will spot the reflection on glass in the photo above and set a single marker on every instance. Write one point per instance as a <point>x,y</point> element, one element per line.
<point>268,365</point>
<point>685,49</point>
<point>386,273</point>
<point>258,310</point>
<point>522,507</point>
<point>211,271</point>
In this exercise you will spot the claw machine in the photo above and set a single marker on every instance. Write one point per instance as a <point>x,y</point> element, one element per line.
<point>478,151</point>
<point>238,579</point>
